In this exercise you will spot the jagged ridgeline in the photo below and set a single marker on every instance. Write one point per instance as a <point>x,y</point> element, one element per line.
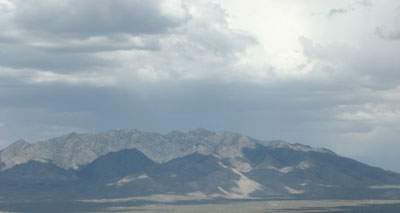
<point>198,165</point>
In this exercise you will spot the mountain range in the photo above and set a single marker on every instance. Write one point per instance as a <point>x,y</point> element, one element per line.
<point>194,165</point>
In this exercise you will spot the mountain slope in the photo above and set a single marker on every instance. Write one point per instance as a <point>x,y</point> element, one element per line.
<point>75,150</point>
<point>196,173</point>
<point>37,172</point>
<point>37,181</point>
<point>199,163</point>
<point>116,165</point>
<point>314,174</point>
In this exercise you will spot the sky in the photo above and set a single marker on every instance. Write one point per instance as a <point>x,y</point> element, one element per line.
<point>322,73</point>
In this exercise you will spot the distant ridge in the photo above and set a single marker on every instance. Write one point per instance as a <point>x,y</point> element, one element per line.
<point>197,165</point>
<point>74,150</point>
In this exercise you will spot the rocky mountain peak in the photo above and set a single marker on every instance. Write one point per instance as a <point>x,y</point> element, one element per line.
<point>19,144</point>
<point>75,149</point>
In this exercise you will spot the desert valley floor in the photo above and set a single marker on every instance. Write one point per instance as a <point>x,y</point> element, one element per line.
<point>290,206</point>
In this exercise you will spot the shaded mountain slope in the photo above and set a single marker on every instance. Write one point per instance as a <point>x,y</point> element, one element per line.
<point>200,164</point>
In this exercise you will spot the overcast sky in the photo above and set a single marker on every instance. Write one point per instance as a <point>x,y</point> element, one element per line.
<point>323,73</point>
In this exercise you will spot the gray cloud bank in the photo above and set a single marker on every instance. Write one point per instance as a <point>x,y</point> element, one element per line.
<point>94,17</point>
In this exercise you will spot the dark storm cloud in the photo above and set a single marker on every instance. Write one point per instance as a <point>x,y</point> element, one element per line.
<point>94,17</point>
<point>7,39</point>
<point>280,111</point>
<point>67,36</point>
<point>168,107</point>
<point>23,56</point>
